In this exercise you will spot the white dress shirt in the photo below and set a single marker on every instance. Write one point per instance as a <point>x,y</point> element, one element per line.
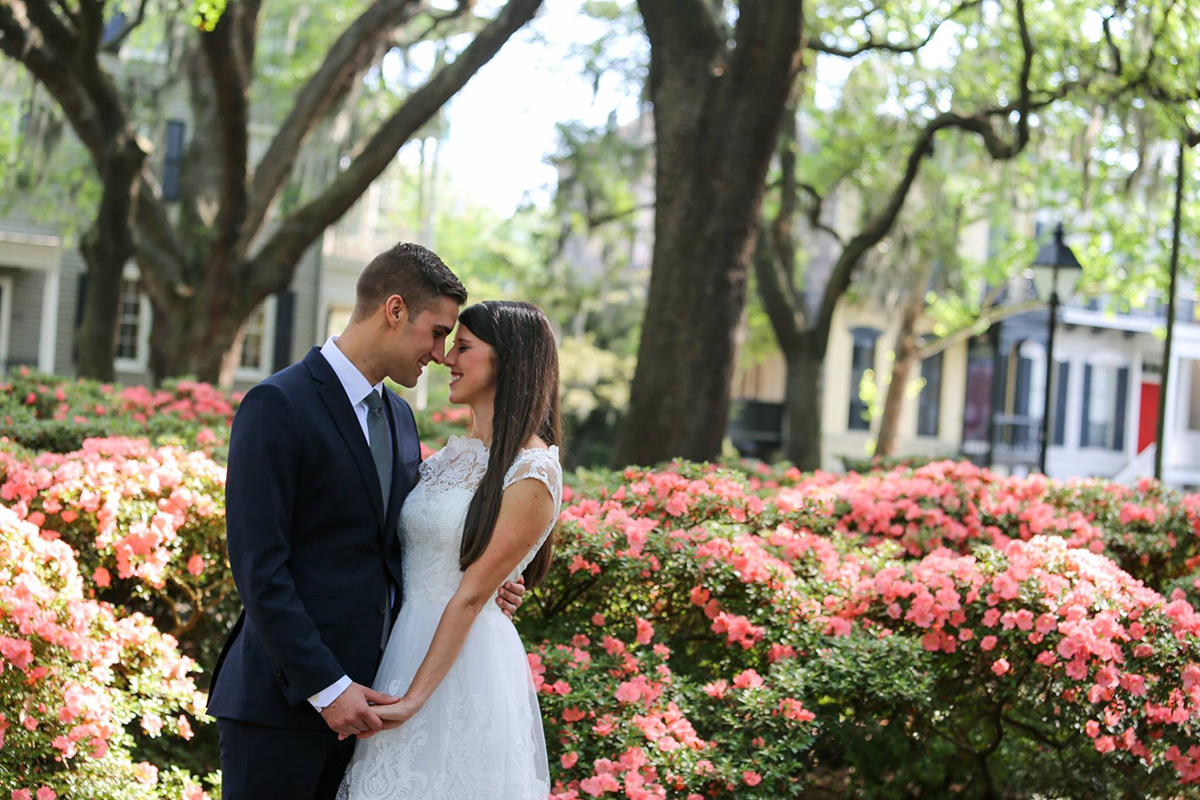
<point>357,388</point>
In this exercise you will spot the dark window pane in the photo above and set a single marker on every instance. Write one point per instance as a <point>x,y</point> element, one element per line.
<point>929,403</point>
<point>861,360</point>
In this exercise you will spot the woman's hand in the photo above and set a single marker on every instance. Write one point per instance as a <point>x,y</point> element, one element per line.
<point>393,715</point>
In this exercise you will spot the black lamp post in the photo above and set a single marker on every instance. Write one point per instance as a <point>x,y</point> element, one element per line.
<point>1055,271</point>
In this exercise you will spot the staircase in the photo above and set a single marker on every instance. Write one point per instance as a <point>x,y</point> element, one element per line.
<point>1141,466</point>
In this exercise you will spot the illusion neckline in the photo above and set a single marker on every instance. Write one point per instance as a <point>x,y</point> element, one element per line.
<point>471,443</point>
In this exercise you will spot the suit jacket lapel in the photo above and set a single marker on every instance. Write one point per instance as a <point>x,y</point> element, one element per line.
<point>333,395</point>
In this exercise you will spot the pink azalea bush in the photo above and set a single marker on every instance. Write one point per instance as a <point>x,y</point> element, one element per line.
<point>146,524</point>
<point>752,632</point>
<point>79,680</point>
<point>701,638</point>
<point>51,413</point>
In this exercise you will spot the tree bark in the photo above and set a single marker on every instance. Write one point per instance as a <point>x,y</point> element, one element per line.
<point>716,114</point>
<point>902,367</point>
<point>803,412</point>
<point>106,247</point>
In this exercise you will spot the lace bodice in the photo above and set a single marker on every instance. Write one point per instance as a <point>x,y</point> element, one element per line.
<point>431,522</point>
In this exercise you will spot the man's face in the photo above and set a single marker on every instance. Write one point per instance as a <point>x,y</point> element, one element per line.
<point>417,340</point>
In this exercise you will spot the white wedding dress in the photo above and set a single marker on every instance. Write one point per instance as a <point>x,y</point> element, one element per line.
<point>479,736</point>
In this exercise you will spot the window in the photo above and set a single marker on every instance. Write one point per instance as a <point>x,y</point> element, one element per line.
<point>253,345</point>
<point>863,359</point>
<point>129,319</point>
<point>133,324</point>
<point>173,160</point>
<point>258,342</point>
<point>929,402</point>
<point>1105,386</point>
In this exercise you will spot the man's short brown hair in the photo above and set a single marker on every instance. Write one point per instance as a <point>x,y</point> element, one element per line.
<point>411,271</point>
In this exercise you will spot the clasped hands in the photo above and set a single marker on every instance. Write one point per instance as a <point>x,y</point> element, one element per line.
<point>363,712</point>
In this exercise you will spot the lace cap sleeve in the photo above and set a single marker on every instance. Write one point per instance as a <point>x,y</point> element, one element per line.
<point>541,464</point>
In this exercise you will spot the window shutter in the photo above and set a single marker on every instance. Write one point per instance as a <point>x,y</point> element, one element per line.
<point>1087,401</point>
<point>1024,383</point>
<point>285,306</point>
<point>1060,405</point>
<point>1122,402</point>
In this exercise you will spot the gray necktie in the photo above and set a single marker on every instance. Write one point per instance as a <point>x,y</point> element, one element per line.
<point>380,434</point>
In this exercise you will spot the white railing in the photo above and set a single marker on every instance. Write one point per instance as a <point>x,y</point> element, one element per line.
<point>1142,466</point>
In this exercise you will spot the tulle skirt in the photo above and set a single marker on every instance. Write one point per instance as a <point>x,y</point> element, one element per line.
<point>479,736</point>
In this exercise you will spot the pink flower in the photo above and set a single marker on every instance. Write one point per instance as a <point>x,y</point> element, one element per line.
<point>1000,666</point>
<point>598,620</point>
<point>987,643</point>
<point>46,793</point>
<point>751,778</point>
<point>748,679</point>
<point>195,564</point>
<point>645,631</point>
<point>569,759</point>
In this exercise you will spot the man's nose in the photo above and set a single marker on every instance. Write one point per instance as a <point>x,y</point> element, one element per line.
<point>438,355</point>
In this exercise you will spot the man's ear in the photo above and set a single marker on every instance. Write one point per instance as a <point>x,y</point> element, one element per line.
<point>396,310</point>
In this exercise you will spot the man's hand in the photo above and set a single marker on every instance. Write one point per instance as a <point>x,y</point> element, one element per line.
<point>511,596</point>
<point>351,715</point>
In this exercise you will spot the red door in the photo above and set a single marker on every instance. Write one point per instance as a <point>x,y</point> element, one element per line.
<point>1148,422</point>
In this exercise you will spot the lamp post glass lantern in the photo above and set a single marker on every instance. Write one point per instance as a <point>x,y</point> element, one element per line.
<point>1056,273</point>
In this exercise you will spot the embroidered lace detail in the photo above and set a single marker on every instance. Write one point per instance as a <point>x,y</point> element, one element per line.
<point>431,522</point>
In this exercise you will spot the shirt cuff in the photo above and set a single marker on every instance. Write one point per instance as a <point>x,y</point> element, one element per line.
<point>324,698</point>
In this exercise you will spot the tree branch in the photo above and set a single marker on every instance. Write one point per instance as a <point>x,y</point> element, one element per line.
<point>980,124</point>
<point>225,59</point>
<point>981,323</point>
<point>346,60</point>
<point>270,267</point>
<point>816,209</point>
<point>158,248</point>
<point>779,298</point>
<point>874,44</point>
<point>613,216</point>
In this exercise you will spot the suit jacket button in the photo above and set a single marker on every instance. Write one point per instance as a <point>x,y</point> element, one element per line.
<point>382,608</point>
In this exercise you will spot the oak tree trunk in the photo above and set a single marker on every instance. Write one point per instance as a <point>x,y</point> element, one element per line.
<point>106,247</point>
<point>802,411</point>
<point>716,113</point>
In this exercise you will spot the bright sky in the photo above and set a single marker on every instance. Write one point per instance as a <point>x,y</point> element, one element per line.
<point>502,123</point>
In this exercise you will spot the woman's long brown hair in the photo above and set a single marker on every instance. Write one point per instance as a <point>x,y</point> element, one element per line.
<point>526,405</point>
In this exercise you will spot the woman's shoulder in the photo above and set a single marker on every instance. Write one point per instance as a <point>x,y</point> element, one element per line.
<point>537,443</point>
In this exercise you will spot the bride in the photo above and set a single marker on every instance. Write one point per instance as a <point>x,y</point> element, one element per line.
<point>467,723</point>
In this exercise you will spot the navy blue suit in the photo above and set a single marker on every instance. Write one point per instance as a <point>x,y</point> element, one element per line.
<point>314,555</point>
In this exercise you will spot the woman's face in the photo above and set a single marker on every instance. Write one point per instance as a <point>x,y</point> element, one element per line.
<point>472,365</point>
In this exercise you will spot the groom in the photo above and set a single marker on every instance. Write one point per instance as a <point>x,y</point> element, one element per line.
<point>321,457</point>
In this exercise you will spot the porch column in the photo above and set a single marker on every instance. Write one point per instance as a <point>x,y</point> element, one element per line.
<point>48,337</point>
